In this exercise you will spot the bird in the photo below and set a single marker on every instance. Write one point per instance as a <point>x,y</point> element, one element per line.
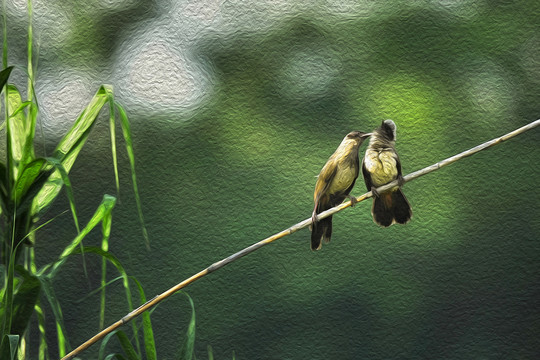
<point>380,166</point>
<point>334,183</point>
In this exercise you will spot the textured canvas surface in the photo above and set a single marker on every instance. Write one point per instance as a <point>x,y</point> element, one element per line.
<point>236,106</point>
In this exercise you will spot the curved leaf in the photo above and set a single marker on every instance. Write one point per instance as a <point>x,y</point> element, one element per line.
<point>4,76</point>
<point>28,175</point>
<point>128,348</point>
<point>69,147</point>
<point>149,342</point>
<point>103,211</point>
<point>186,352</point>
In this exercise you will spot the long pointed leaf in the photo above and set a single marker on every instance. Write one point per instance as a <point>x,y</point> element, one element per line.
<point>128,348</point>
<point>106,231</point>
<point>17,128</point>
<point>23,106</point>
<point>149,342</point>
<point>186,352</point>
<point>103,345</point>
<point>69,191</point>
<point>126,130</point>
<point>46,285</point>
<point>125,279</point>
<point>85,121</point>
<point>43,350</point>
<point>112,130</point>
<point>104,210</point>
<point>69,147</point>
<point>27,177</point>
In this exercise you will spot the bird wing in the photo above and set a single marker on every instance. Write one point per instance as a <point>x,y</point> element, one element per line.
<point>398,164</point>
<point>367,176</point>
<point>327,174</point>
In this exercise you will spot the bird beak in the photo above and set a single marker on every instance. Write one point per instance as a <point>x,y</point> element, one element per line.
<point>367,135</point>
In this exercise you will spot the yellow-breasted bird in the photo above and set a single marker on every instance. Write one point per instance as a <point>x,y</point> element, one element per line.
<point>334,183</point>
<point>380,166</point>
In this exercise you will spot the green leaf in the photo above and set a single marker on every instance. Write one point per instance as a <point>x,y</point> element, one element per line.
<point>23,106</point>
<point>24,300</point>
<point>116,263</point>
<point>106,224</point>
<point>4,76</point>
<point>30,185</point>
<point>11,344</point>
<point>69,190</point>
<point>17,128</point>
<point>46,285</point>
<point>28,175</point>
<point>103,211</point>
<point>186,352</point>
<point>43,351</point>
<point>126,130</point>
<point>149,342</point>
<point>69,147</point>
<point>103,346</point>
<point>128,348</point>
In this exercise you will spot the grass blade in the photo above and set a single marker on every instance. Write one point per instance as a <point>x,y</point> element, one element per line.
<point>29,174</point>
<point>69,147</point>
<point>126,130</point>
<point>103,346</point>
<point>112,130</point>
<point>43,350</point>
<point>128,348</point>
<point>59,167</point>
<point>46,285</point>
<point>103,211</point>
<point>186,352</point>
<point>106,231</point>
<point>125,279</point>
<point>19,133</point>
<point>149,342</point>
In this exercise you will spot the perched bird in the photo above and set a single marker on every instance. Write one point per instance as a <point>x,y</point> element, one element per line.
<point>380,166</point>
<point>334,184</point>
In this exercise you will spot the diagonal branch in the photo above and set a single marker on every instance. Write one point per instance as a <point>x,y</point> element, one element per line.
<point>217,265</point>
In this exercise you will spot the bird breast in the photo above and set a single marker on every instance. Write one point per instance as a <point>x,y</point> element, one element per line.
<point>343,179</point>
<point>382,166</point>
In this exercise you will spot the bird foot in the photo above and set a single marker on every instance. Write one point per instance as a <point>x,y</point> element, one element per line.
<point>353,200</point>
<point>374,192</point>
<point>314,218</point>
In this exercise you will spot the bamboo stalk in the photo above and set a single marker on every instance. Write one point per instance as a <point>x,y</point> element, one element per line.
<point>217,265</point>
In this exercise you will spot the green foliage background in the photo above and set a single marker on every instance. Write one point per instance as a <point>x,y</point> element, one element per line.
<point>461,281</point>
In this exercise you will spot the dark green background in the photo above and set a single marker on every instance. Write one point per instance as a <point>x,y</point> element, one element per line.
<point>460,281</point>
